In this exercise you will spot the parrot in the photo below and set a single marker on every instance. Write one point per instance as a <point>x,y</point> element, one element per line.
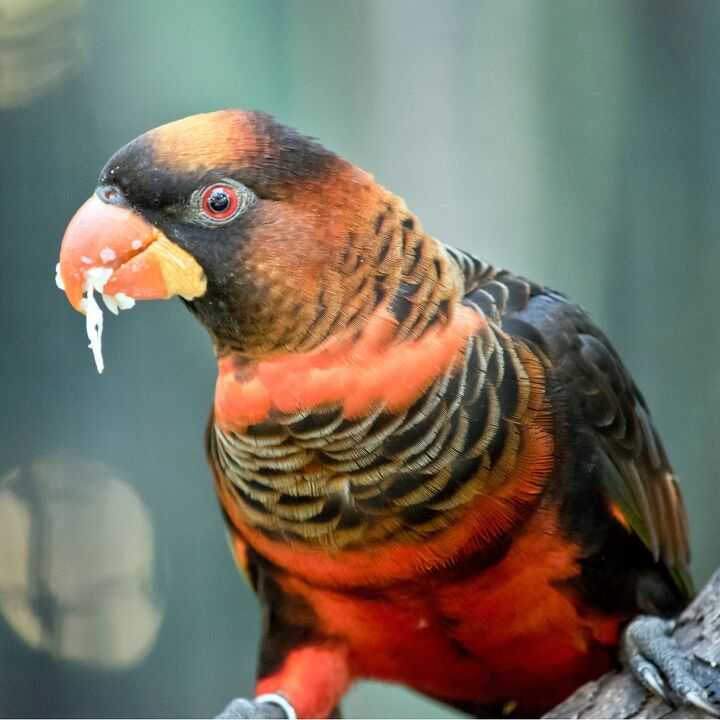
<point>433,472</point>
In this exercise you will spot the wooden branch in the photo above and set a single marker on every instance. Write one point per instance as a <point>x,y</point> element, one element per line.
<point>618,695</point>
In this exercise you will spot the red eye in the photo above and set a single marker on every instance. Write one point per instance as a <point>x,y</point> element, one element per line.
<point>220,201</point>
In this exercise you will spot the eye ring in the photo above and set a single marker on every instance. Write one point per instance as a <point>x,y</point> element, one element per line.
<point>220,201</point>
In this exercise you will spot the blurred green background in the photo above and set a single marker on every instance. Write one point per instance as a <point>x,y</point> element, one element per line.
<point>574,142</point>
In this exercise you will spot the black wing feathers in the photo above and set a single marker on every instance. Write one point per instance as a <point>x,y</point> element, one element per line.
<point>604,402</point>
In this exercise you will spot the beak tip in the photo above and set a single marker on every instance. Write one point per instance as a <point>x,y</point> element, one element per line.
<point>142,263</point>
<point>72,284</point>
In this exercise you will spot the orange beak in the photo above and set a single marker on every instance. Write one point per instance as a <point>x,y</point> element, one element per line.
<point>145,264</point>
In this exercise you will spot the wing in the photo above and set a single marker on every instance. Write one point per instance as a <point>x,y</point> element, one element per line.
<point>638,481</point>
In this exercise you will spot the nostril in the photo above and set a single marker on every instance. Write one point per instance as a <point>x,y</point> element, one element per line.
<point>109,194</point>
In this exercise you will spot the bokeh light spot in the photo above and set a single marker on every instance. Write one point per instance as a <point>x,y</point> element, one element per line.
<point>78,568</point>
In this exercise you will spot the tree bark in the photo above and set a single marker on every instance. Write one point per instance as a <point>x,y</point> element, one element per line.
<point>618,695</point>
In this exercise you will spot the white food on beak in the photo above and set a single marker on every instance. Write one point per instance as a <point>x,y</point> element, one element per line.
<point>124,301</point>
<point>119,301</point>
<point>110,303</point>
<point>95,281</point>
<point>58,277</point>
<point>107,255</point>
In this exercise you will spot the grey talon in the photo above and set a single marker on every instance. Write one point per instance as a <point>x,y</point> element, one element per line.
<point>697,699</point>
<point>656,660</point>
<point>241,708</point>
<point>653,681</point>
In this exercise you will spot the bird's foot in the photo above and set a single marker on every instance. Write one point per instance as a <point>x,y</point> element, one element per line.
<point>266,706</point>
<point>656,660</point>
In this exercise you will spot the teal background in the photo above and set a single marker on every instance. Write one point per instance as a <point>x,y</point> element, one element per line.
<point>574,142</point>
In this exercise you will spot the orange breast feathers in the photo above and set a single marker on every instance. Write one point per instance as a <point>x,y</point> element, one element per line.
<point>361,373</point>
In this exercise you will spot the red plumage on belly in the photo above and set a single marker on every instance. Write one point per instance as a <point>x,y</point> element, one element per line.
<point>513,630</point>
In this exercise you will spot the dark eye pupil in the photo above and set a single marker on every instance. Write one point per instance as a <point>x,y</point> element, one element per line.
<point>219,200</point>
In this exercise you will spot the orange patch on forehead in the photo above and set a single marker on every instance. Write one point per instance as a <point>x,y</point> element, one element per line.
<point>217,139</point>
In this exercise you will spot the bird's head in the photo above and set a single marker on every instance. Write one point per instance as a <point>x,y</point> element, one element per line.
<point>273,241</point>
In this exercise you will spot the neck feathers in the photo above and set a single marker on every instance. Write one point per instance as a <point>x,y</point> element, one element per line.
<point>414,278</point>
<point>382,264</point>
